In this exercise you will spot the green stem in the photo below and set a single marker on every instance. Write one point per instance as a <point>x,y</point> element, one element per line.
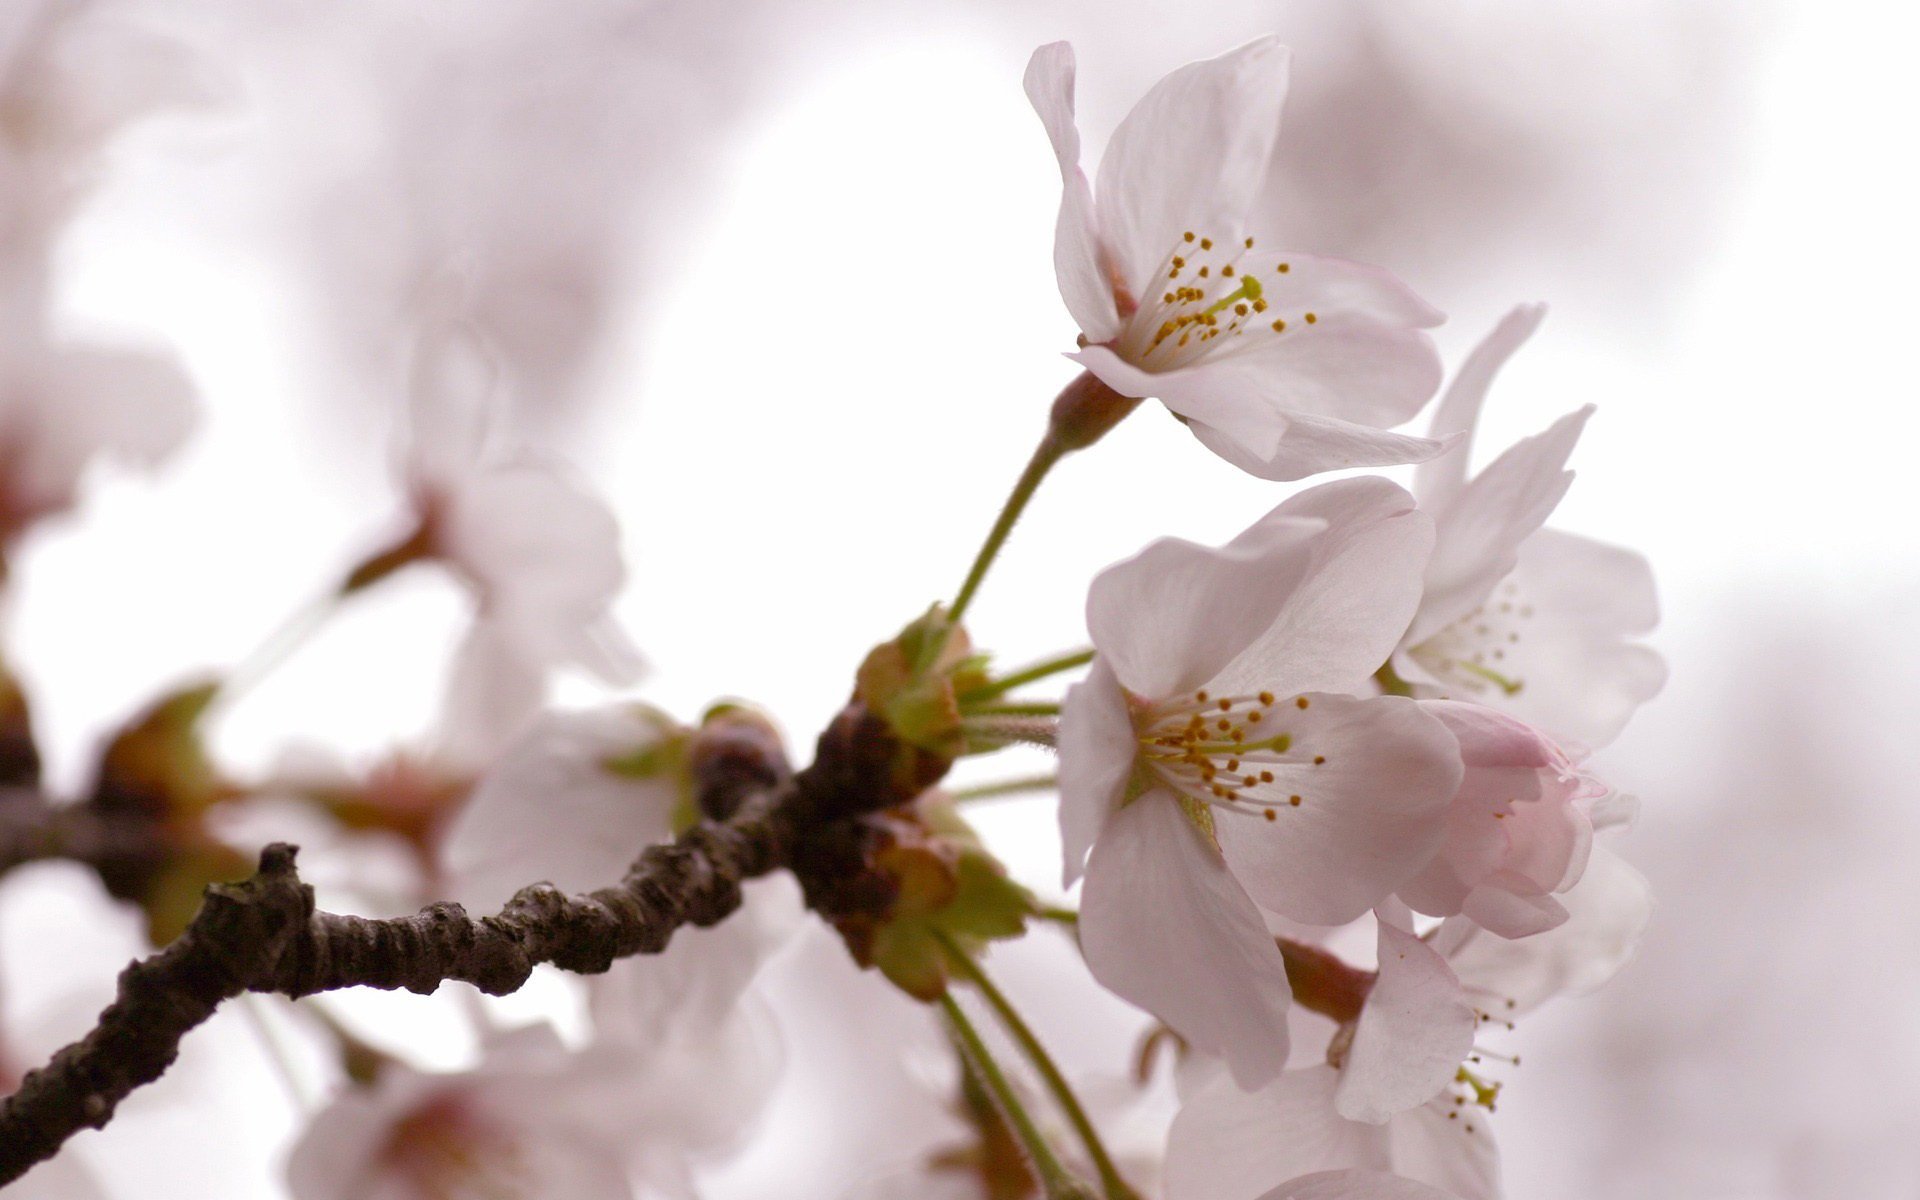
<point>1020,678</point>
<point>1002,731</point>
<point>1059,915</point>
<point>1006,787</point>
<point>1111,1182</point>
<point>1037,709</point>
<point>1055,1179</point>
<point>1048,453</point>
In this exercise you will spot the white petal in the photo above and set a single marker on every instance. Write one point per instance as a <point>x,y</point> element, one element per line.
<point>1607,911</point>
<point>1371,815</point>
<point>550,810</point>
<point>1342,614</point>
<point>453,404</point>
<point>1227,1144</point>
<point>1479,534</point>
<point>1164,925</point>
<point>1097,749</point>
<point>1191,156</point>
<point>1354,1185</point>
<point>1077,259</point>
<point>1415,1030</point>
<point>1455,1153</point>
<point>1313,445</point>
<point>1169,618</point>
<point>1438,480</point>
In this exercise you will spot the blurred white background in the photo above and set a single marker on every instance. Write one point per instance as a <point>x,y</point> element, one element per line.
<point>777,275</point>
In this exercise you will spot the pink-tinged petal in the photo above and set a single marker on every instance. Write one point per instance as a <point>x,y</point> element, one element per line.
<point>1346,368</point>
<point>1191,157</point>
<point>494,691</point>
<point>1164,925</point>
<point>1583,678</point>
<point>1077,258</point>
<point>1227,1144</point>
<point>1169,618</point>
<point>551,810</point>
<point>453,404</point>
<point>1439,479</point>
<point>1097,749</point>
<point>1313,445</point>
<point>1607,912</point>
<point>1334,290</point>
<point>62,1178</point>
<point>1510,905</point>
<point>1241,420</point>
<point>1372,812</point>
<point>1415,1030</point>
<point>1480,532</point>
<point>1354,1185</point>
<point>1517,830</point>
<point>1350,605</point>
<point>1447,1148</point>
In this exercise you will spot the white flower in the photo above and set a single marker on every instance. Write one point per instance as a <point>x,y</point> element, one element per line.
<point>1283,363</point>
<point>1530,620</point>
<point>539,551</point>
<point>1410,1095</point>
<point>1218,762</point>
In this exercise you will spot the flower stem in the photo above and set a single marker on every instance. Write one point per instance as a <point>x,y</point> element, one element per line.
<point>1006,787</point>
<point>1002,731</point>
<point>1046,708</point>
<point>1020,678</point>
<point>1045,455</point>
<point>1055,1179</point>
<point>1111,1183</point>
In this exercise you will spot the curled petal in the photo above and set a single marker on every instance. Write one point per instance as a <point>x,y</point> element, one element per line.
<point>1077,257</point>
<point>1097,749</point>
<point>1439,479</point>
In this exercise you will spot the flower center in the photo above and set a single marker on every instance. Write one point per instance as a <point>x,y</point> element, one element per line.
<point>1206,295</point>
<point>1472,653</point>
<point>1222,751</point>
<point>445,1152</point>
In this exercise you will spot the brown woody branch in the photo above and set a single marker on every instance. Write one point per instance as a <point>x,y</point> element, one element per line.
<point>263,935</point>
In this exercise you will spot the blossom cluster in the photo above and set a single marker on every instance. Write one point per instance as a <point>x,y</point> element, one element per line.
<point>1325,791</point>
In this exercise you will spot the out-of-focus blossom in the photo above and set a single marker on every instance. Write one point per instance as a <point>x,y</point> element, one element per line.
<point>1283,363</point>
<point>1517,831</point>
<point>1530,620</point>
<point>1353,1185</point>
<point>1415,1030</point>
<point>1218,762</point>
<point>538,550</point>
<point>572,802</point>
<point>525,1122</point>
<point>73,75</point>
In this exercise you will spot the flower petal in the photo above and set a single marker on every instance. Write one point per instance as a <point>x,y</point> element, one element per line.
<point>551,810</point>
<point>1478,535</point>
<point>1097,749</point>
<point>1227,1144</point>
<point>1339,617</point>
<point>1310,446</point>
<point>1453,1153</point>
<point>1191,156</point>
<point>1164,924</point>
<point>1439,479</point>
<point>1354,1185</point>
<point>1372,811</point>
<point>1169,618</point>
<point>1077,258</point>
<point>1607,911</point>
<point>1415,1030</point>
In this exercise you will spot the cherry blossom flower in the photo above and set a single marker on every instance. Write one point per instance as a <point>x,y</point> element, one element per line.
<point>1531,620</point>
<point>538,550</point>
<point>1409,1093</point>
<point>72,76</point>
<point>526,1122</point>
<point>1518,831</point>
<point>1283,363</point>
<point>572,802</point>
<point>1217,762</point>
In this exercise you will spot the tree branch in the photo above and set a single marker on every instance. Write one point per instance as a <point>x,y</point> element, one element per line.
<point>263,935</point>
